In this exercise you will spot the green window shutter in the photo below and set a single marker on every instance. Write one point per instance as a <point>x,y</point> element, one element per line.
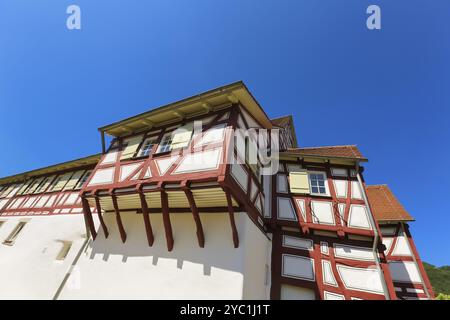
<point>131,148</point>
<point>299,182</point>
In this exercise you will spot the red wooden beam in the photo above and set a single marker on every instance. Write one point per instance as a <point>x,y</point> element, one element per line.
<point>198,222</point>
<point>123,234</point>
<point>166,220</point>
<point>88,217</point>
<point>145,214</point>
<point>232,222</point>
<point>100,217</point>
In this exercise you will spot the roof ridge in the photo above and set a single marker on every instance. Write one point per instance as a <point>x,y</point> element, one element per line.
<point>344,145</point>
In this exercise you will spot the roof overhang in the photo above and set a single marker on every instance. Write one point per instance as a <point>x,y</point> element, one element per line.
<point>290,119</point>
<point>90,160</point>
<point>192,106</point>
<point>394,221</point>
<point>287,154</point>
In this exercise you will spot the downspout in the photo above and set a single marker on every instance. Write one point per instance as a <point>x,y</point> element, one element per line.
<point>376,236</point>
<point>74,263</point>
<point>415,261</point>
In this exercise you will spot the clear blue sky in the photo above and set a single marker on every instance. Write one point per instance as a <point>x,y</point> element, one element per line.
<point>387,91</point>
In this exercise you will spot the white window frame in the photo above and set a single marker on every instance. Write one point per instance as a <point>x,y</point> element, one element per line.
<point>327,191</point>
<point>153,141</point>
<point>83,179</point>
<point>168,144</point>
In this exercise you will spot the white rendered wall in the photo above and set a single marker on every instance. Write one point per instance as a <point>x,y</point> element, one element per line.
<point>28,269</point>
<point>257,261</point>
<point>110,269</point>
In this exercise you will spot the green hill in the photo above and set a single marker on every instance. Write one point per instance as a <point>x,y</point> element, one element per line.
<point>439,278</point>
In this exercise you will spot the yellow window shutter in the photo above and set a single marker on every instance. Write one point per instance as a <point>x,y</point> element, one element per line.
<point>299,182</point>
<point>46,184</point>
<point>24,186</point>
<point>73,180</point>
<point>182,136</point>
<point>131,148</point>
<point>35,185</point>
<point>62,181</point>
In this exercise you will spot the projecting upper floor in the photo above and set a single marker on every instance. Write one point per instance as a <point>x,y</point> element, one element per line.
<point>46,191</point>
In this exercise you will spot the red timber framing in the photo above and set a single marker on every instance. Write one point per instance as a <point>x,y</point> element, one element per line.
<point>341,225</point>
<point>317,284</point>
<point>232,221</point>
<point>308,229</point>
<point>195,214</point>
<point>42,200</point>
<point>166,220</point>
<point>146,216</point>
<point>138,182</point>
<point>122,232</point>
<point>88,218</point>
<point>407,290</point>
<point>100,217</point>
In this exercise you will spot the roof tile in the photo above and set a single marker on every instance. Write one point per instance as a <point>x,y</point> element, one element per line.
<point>347,151</point>
<point>385,206</point>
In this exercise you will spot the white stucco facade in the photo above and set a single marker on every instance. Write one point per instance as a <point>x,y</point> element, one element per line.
<point>110,269</point>
<point>28,268</point>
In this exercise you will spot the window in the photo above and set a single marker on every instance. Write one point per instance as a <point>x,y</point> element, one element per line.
<point>73,181</point>
<point>166,143</point>
<point>13,235</point>
<point>31,186</point>
<point>147,147</point>
<point>55,183</point>
<point>130,147</point>
<point>43,184</point>
<point>317,183</point>
<point>64,250</point>
<point>83,180</point>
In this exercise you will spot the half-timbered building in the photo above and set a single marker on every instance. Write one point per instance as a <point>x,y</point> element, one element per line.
<point>206,198</point>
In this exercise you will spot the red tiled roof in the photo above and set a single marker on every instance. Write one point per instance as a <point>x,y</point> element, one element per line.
<point>385,206</point>
<point>348,151</point>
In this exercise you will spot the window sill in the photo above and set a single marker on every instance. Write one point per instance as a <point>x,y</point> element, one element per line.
<point>319,195</point>
<point>141,157</point>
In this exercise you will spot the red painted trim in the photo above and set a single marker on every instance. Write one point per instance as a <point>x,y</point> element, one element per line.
<point>146,216</point>
<point>419,261</point>
<point>99,214</point>
<point>88,217</point>
<point>166,220</point>
<point>198,223</point>
<point>232,222</point>
<point>123,234</point>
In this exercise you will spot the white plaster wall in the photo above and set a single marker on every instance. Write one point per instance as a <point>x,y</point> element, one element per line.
<point>110,269</point>
<point>28,269</point>
<point>257,260</point>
